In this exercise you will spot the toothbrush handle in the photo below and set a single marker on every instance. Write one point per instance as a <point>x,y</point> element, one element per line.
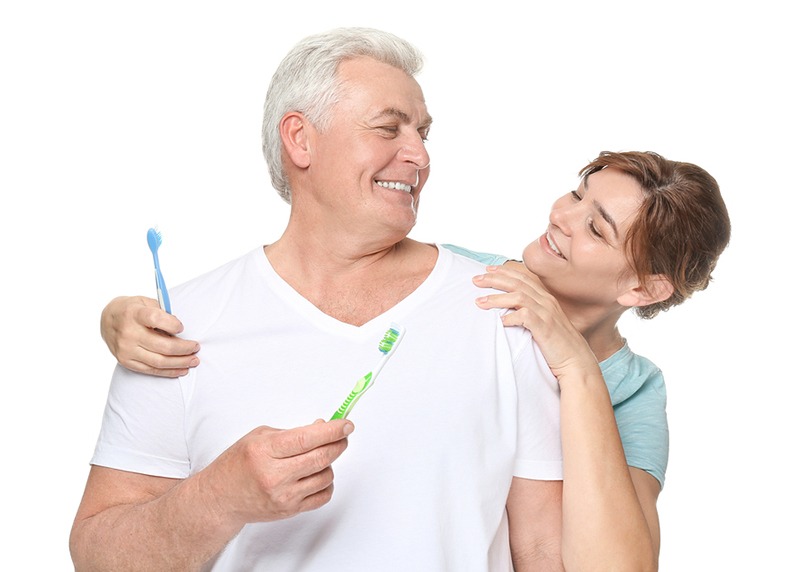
<point>361,386</point>
<point>161,290</point>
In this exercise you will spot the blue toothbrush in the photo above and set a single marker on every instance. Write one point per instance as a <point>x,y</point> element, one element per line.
<point>154,241</point>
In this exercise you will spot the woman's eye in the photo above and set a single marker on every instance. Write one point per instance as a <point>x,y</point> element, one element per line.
<point>575,195</point>
<point>593,230</point>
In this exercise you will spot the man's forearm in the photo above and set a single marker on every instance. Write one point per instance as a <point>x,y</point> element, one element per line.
<point>178,530</point>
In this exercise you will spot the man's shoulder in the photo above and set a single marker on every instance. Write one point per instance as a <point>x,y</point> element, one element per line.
<point>213,278</point>
<point>205,293</point>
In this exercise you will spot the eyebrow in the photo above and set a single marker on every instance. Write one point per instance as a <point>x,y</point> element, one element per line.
<point>603,212</point>
<point>403,117</point>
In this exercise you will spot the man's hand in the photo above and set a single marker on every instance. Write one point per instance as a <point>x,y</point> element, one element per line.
<point>272,474</point>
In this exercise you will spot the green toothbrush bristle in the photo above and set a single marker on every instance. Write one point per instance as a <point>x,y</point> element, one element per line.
<point>389,339</point>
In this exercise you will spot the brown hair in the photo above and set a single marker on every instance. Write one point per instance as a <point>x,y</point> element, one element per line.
<point>682,226</point>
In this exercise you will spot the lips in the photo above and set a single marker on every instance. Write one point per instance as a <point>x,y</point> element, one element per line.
<point>551,245</point>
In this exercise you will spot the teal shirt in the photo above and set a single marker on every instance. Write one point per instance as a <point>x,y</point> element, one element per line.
<point>638,395</point>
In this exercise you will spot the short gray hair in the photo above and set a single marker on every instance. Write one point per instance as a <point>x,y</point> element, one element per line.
<point>306,81</point>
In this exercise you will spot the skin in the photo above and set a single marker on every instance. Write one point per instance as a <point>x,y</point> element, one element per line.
<point>345,250</point>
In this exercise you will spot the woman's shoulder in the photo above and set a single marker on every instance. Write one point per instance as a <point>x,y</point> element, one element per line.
<point>485,258</point>
<point>628,374</point>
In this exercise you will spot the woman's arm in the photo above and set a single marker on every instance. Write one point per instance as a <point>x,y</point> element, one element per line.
<point>609,516</point>
<point>143,337</point>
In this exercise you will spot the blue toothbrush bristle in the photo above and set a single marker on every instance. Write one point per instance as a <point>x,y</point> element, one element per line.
<point>153,238</point>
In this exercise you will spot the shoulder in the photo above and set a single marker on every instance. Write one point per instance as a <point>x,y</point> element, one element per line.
<point>484,258</point>
<point>214,279</point>
<point>631,376</point>
<point>199,301</point>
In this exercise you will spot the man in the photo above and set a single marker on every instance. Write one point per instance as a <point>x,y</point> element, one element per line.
<point>462,423</point>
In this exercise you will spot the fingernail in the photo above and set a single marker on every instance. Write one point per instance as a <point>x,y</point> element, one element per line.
<point>479,278</point>
<point>194,361</point>
<point>481,300</point>
<point>348,428</point>
<point>491,268</point>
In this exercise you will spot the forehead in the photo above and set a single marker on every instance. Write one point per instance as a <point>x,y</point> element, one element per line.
<point>370,86</point>
<point>614,192</point>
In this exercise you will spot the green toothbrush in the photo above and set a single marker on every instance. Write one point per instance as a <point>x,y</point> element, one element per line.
<point>391,339</point>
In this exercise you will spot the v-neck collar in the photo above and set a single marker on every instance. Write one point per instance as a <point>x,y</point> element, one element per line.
<point>323,321</point>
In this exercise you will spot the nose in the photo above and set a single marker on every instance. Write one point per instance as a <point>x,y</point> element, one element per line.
<point>413,151</point>
<point>562,216</point>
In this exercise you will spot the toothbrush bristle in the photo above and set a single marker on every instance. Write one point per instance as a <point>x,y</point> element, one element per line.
<point>154,237</point>
<point>389,340</point>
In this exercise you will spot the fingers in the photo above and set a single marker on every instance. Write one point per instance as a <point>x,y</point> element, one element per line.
<point>293,442</point>
<point>167,346</point>
<point>317,499</point>
<point>147,351</point>
<point>304,456</point>
<point>502,278</point>
<point>143,337</point>
<point>511,300</point>
<point>523,291</point>
<point>272,474</point>
<point>157,319</point>
<point>166,372</point>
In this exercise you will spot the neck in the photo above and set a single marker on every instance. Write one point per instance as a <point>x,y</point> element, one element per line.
<point>350,280</point>
<point>325,258</point>
<point>599,327</point>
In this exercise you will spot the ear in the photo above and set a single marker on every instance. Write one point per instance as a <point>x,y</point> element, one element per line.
<point>655,289</point>
<point>295,131</point>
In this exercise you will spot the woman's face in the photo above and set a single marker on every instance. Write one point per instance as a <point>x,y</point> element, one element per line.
<point>581,257</point>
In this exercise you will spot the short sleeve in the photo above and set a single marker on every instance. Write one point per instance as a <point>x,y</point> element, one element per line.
<point>539,430</point>
<point>142,429</point>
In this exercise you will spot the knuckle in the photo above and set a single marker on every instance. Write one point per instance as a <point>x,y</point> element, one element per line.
<point>286,443</point>
<point>320,459</point>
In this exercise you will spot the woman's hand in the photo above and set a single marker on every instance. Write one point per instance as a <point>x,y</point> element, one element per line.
<point>143,337</point>
<point>536,309</point>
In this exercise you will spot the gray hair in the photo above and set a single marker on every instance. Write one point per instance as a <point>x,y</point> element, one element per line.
<point>306,82</point>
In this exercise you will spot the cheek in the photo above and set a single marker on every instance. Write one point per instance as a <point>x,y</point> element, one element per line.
<point>606,267</point>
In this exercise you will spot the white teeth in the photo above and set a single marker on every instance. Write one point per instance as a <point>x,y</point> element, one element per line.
<point>394,185</point>
<point>553,244</point>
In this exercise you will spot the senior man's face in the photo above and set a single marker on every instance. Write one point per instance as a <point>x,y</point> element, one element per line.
<point>371,160</point>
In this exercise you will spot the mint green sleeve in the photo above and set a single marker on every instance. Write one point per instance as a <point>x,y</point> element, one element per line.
<point>642,419</point>
<point>482,257</point>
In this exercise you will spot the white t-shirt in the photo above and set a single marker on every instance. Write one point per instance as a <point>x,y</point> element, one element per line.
<point>463,405</point>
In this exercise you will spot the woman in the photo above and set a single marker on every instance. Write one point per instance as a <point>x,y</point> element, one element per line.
<point>640,232</point>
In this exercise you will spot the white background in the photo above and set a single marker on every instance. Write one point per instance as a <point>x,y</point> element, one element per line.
<point>117,116</point>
